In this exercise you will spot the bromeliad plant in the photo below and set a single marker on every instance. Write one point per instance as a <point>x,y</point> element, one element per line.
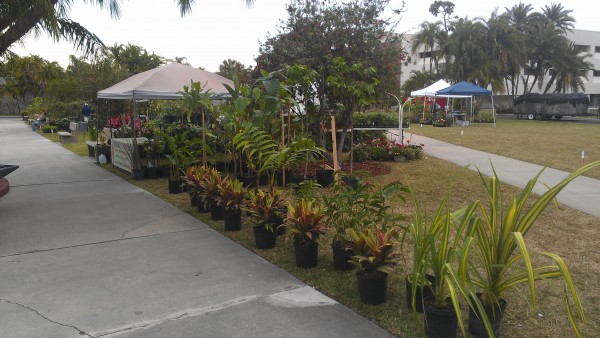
<point>264,208</point>
<point>305,220</point>
<point>372,249</point>
<point>495,258</point>
<point>231,194</point>
<point>210,186</point>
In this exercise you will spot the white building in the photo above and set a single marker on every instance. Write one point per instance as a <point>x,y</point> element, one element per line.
<point>587,42</point>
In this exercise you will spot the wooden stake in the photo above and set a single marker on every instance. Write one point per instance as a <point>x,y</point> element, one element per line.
<point>204,158</point>
<point>334,139</point>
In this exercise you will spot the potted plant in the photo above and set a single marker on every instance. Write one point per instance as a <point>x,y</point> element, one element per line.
<point>397,153</point>
<point>210,193</point>
<point>304,223</point>
<point>264,211</point>
<point>495,258</point>
<point>412,151</point>
<point>180,156</point>
<point>349,208</point>
<point>434,253</point>
<point>192,179</point>
<point>231,198</point>
<point>373,253</point>
<point>153,148</point>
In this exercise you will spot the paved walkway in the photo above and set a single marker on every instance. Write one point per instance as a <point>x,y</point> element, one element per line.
<point>582,194</point>
<point>84,253</point>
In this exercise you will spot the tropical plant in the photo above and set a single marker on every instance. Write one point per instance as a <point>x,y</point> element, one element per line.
<point>349,208</point>
<point>372,249</point>
<point>210,184</point>
<point>231,194</point>
<point>264,207</point>
<point>305,220</point>
<point>256,145</point>
<point>495,258</point>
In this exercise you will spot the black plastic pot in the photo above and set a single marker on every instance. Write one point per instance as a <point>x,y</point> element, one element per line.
<point>151,173</point>
<point>263,180</point>
<point>278,221</point>
<point>217,212</point>
<point>202,207</point>
<point>476,324</point>
<point>138,174</point>
<point>233,220</point>
<point>324,177</point>
<point>372,287</point>
<point>440,322</point>
<point>163,171</point>
<point>175,186</point>
<point>249,181</point>
<point>422,293</point>
<point>194,200</point>
<point>288,178</point>
<point>351,182</point>
<point>341,257</point>
<point>307,253</point>
<point>263,238</point>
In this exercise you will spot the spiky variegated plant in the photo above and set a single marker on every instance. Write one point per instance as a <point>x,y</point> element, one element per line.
<point>264,206</point>
<point>305,220</point>
<point>372,248</point>
<point>494,257</point>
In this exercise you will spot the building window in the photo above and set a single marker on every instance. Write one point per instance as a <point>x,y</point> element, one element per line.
<point>424,55</point>
<point>597,73</point>
<point>597,49</point>
<point>582,48</point>
<point>595,100</point>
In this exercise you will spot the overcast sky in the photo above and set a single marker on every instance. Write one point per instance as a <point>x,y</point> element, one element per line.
<point>221,29</point>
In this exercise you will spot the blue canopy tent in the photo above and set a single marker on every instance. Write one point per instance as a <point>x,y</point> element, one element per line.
<point>467,89</point>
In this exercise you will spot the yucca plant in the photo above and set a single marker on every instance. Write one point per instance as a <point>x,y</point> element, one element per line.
<point>495,258</point>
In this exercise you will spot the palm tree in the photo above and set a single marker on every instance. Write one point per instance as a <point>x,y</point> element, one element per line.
<point>426,37</point>
<point>568,68</point>
<point>19,18</point>
<point>560,16</point>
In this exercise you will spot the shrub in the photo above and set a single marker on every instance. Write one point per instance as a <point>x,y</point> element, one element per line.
<point>375,119</point>
<point>360,153</point>
<point>49,129</point>
<point>485,116</point>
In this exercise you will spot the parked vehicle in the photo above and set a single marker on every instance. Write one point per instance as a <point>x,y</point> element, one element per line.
<point>5,169</point>
<point>546,106</point>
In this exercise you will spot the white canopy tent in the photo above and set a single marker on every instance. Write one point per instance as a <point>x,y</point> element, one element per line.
<point>430,90</point>
<point>165,83</point>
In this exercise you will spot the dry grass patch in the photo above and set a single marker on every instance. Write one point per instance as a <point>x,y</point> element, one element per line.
<point>555,144</point>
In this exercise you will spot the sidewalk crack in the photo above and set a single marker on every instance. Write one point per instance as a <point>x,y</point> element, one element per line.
<point>81,332</point>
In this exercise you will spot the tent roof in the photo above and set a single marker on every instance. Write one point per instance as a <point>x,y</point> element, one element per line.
<point>430,90</point>
<point>463,88</point>
<point>165,82</point>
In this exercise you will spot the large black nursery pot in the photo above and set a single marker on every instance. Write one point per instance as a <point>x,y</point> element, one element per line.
<point>288,178</point>
<point>217,213</point>
<point>324,177</point>
<point>175,186</point>
<point>351,182</point>
<point>233,219</point>
<point>306,252</point>
<point>263,238</point>
<point>440,322</point>
<point>423,292</point>
<point>372,287</point>
<point>202,207</point>
<point>476,324</point>
<point>138,174</point>
<point>341,257</point>
<point>151,173</point>
<point>194,200</point>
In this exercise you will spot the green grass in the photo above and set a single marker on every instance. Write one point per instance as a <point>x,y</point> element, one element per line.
<point>564,231</point>
<point>554,144</point>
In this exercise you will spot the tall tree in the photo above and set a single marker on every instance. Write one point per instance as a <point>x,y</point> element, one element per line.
<point>427,38</point>
<point>134,58</point>
<point>317,31</point>
<point>228,67</point>
<point>560,16</point>
<point>445,9</point>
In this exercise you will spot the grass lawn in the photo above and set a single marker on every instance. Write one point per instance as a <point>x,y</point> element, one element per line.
<point>561,230</point>
<point>555,144</point>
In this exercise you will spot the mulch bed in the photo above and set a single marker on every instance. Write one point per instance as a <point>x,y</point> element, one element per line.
<point>372,168</point>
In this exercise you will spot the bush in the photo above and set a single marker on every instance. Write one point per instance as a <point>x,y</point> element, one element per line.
<point>360,153</point>
<point>49,129</point>
<point>485,116</point>
<point>375,119</point>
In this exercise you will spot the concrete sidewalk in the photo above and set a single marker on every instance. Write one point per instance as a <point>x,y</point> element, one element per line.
<point>84,253</point>
<point>582,194</point>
